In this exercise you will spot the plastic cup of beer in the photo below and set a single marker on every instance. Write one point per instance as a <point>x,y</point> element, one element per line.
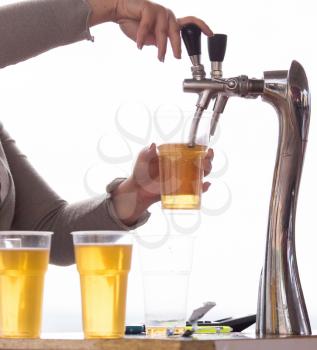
<point>103,261</point>
<point>181,175</point>
<point>24,257</point>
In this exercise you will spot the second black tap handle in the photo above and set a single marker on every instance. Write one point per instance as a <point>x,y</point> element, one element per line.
<point>191,34</point>
<point>217,47</point>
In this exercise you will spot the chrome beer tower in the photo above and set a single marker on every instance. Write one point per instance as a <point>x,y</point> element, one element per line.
<point>281,304</point>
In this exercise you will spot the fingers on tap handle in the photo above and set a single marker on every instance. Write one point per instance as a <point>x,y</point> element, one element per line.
<point>196,21</point>
<point>191,34</point>
<point>160,25</point>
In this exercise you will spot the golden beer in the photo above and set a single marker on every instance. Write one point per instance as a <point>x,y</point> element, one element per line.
<point>181,174</point>
<point>103,270</point>
<point>21,291</point>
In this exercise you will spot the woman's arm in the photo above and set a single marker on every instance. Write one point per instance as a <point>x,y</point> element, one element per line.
<point>38,207</point>
<point>28,28</point>
<point>145,22</point>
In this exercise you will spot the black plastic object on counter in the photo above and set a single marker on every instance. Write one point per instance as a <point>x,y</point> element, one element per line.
<point>135,329</point>
<point>237,324</point>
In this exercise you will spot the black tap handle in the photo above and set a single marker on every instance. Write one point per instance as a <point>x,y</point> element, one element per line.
<point>191,34</point>
<point>217,47</point>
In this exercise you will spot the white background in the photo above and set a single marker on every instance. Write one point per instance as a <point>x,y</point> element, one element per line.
<point>59,105</point>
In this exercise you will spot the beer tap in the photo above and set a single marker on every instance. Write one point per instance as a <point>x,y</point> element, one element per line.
<point>217,45</point>
<point>281,305</point>
<point>191,35</point>
<point>216,87</point>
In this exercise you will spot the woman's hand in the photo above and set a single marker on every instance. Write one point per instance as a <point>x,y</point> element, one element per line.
<point>133,196</point>
<point>145,22</point>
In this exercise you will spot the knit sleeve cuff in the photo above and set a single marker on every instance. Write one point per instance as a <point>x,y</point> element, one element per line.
<point>86,34</point>
<point>112,212</point>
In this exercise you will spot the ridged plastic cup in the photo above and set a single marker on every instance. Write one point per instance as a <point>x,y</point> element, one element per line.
<point>24,257</point>
<point>103,261</point>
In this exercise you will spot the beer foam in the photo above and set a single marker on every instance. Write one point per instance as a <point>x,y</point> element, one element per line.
<point>100,244</point>
<point>24,249</point>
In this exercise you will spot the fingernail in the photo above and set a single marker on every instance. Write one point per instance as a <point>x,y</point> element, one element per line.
<point>152,146</point>
<point>140,46</point>
<point>210,32</point>
<point>161,59</point>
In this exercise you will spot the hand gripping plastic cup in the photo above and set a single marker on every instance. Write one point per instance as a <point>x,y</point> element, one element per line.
<point>103,261</point>
<point>181,175</point>
<point>24,257</point>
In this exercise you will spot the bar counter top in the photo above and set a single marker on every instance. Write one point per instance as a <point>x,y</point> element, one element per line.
<point>234,341</point>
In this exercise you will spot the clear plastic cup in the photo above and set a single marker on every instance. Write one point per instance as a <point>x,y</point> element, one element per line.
<point>166,266</point>
<point>24,257</point>
<point>103,261</point>
<point>181,175</point>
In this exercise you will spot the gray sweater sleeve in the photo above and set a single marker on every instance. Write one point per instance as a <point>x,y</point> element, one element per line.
<point>28,28</point>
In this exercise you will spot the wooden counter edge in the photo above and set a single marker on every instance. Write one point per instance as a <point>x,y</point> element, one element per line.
<point>145,343</point>
<point>110,344</point>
